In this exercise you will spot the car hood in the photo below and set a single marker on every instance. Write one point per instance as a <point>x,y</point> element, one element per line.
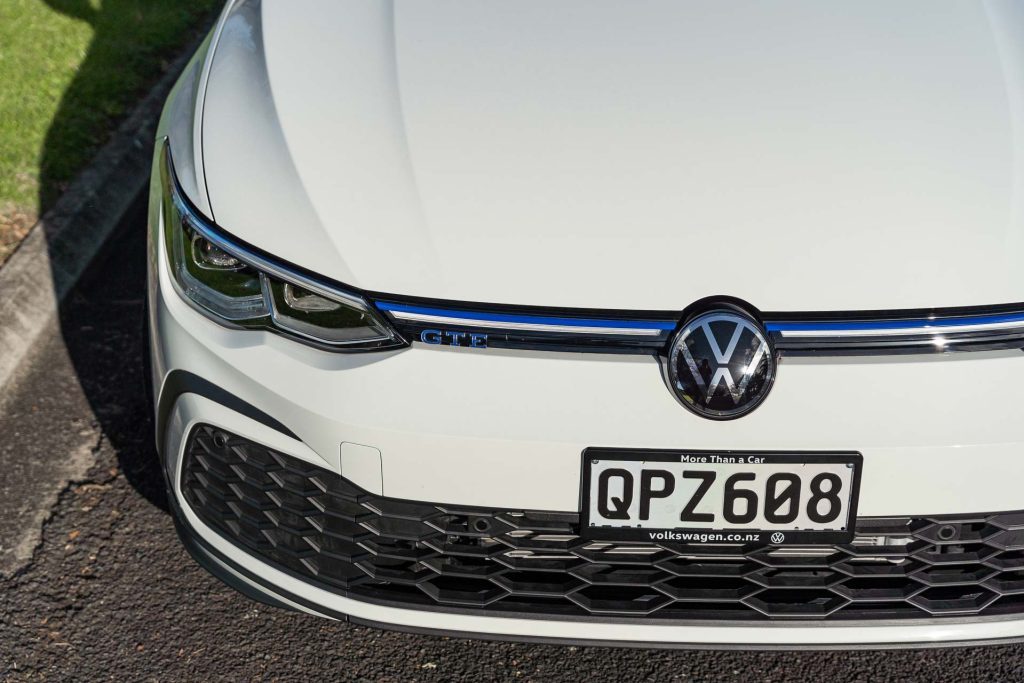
<point>630,154</point>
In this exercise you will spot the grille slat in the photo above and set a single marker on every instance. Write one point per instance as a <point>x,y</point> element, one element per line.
<point>316,525</point>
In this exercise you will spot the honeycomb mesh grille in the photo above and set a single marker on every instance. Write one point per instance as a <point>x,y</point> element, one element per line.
<point>316,525</point>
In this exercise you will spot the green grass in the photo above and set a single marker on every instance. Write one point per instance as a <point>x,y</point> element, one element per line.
<point>69,70</point>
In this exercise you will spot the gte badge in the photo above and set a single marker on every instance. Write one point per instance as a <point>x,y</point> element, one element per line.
<point>476,340</point>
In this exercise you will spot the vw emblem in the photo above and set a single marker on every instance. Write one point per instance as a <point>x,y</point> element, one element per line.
<point>778,537</point>
<point>721,365</point>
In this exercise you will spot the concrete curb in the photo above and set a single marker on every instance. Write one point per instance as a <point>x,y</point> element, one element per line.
<point>61,245</point>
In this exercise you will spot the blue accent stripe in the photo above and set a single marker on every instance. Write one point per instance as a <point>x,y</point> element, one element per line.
<point>883,325</point>
<point>529,319</point>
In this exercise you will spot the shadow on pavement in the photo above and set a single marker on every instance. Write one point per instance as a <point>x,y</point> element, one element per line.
<point>101,317</point>
<point>102,325</point>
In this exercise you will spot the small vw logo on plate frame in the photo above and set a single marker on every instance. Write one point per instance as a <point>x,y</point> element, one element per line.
<point>721,364</point>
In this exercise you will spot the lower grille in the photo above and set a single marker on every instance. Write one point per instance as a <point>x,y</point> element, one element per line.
<point>314,524</point>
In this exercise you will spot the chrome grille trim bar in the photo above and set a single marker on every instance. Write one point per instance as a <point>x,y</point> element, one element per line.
<point>522,326</point>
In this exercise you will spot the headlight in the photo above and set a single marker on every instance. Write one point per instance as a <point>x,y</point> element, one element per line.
<point>235,284</point>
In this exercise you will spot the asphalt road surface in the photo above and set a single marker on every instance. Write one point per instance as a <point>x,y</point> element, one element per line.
<point>107,592</point>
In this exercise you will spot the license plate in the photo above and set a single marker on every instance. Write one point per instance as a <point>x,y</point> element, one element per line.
<point>701,497</point>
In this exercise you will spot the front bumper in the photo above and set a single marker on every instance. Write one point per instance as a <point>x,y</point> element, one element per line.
<point>257,586</point>
<point>503,430</point>
<point>328,549</point>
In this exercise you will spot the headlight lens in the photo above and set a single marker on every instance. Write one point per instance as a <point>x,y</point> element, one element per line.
<point>230,282</point>
<point>211,277</point>
<point>317,317</point>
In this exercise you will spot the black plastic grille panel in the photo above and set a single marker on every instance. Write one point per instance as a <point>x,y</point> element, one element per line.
<point>312,523</point>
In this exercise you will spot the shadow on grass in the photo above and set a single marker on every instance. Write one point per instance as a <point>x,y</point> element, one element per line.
<point>101,317</point>
<point>131,44</point>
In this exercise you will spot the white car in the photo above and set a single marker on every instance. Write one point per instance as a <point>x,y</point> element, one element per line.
<point>661,322</point>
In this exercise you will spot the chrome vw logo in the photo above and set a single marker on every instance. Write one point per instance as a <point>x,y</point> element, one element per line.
<point>721,365</point>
